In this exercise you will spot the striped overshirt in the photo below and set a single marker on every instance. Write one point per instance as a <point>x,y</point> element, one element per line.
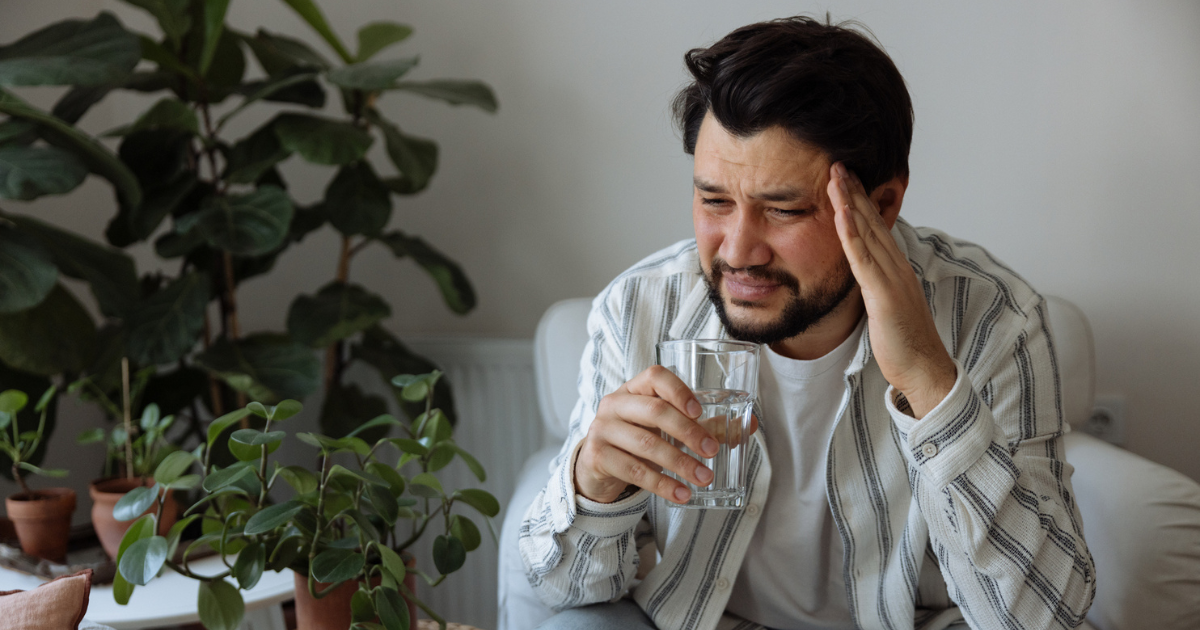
<point>966,514</point>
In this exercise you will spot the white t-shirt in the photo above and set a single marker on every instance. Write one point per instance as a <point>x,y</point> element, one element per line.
<point>791,577</point>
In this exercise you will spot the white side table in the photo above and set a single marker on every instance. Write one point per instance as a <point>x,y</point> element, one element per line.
<point>170,599</point>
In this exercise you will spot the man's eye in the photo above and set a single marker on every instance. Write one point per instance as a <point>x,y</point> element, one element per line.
<point>713,201</point>
<point>793,213</point>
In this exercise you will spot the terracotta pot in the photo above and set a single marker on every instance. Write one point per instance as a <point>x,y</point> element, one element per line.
<point>43,521</point>
<point>332,612</point>
<point>105,494</point>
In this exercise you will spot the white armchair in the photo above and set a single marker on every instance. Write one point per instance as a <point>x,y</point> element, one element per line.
<point>1141,519</point>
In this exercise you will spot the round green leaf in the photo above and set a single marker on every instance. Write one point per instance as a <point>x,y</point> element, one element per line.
<point>425,485</point>
<point>357,202</point>
<point>471,463</point>
<point>27,272</point>
<point>30,172</point>
<point>254,437</point>
<point>299,478</point>
<point>227,476</point>
<point>143,560</point>
<point>336,565</point>
<point>285,409</point>
<point>454,92</point>
<point>394,479</point>
<point>173,466</point>
<point>249,565</point>
<point>218,426</point>
<point>168,113</point>
<point>321,140</point>
<point>392,609</point>
<point>271,517</point>
<point>392,563</point>
<point>135,502</point>
<point>220,605</point>
<point>465,530</point>
<point>449,554</point>
<point>361,608</point>
<point>91,436</point>
<point>141,529</point>
<point>479,499</point>
<point>457,291</point>
<point>376,36</point>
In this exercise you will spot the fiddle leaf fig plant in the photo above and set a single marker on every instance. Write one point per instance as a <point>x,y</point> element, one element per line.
<point>202,175</point>
<point>350,520</point>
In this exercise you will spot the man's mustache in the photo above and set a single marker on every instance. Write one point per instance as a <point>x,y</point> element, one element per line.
<point>758,272</point>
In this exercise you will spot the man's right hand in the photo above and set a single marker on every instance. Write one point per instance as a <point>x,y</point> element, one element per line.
<point>624,445</point>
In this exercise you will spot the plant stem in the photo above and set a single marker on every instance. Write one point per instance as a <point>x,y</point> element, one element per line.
<point>214,387</point>
<point>128,418</point>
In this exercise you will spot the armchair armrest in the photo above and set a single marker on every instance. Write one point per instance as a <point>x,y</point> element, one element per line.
<point>1142,524</point>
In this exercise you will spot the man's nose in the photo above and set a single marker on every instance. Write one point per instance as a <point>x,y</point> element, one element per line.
<point>744,245</point>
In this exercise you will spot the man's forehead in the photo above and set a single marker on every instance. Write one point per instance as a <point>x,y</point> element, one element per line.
<point>770,165</point>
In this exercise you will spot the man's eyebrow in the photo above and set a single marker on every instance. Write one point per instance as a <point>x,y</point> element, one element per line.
<point>782,194</point>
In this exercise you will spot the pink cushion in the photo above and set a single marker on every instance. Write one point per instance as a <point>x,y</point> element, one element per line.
<point>56,605</point>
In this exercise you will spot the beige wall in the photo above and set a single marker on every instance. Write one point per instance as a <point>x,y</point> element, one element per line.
<point>1063,136</point>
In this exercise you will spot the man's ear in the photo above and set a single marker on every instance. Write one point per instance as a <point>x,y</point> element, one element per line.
<point>889,196</point>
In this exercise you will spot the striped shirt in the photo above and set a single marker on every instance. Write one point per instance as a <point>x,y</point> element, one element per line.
<point>967,514</point>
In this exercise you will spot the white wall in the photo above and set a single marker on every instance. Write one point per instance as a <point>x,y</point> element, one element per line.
<point>1063,136</point>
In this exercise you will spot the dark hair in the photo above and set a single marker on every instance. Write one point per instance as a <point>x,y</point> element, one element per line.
<point>827,85</point>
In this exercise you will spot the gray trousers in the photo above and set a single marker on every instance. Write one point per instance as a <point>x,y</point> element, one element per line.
<point>623,615</point>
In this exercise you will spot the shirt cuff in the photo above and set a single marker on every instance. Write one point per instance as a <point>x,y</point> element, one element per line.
<point>569,509</point>
<point>951,437</point>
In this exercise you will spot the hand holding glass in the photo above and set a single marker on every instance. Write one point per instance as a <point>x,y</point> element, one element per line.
<point>723,375</point>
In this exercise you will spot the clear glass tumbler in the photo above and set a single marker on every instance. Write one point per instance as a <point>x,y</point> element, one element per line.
<point>723,375</point>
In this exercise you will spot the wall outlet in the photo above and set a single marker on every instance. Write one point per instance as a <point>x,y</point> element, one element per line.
<point>1108,419</point>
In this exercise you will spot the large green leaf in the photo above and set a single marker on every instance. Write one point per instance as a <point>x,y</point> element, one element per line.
<point>311,13</point>
<point>160,159</point>
<point>249,565</point>
<point>337,311</point>
<point>376,36</point>
<point>71,52</point>
<point>254,155</point>
<point>220,605</point>
<point>172,16</point>
<point>266,89</point>
<point>27,271</point>
<point>168,114</point>
<point>110,272</point>
<point>98,158</point>
<point>30,172</point>
<point>415,158</point>
<point>17,132</point>
<point>267,367</point>
<point>357,202</point>
<point>175,196</point>
<point>79,99</point>
<point>337,565</point>
<point>347,407</point>
<point>454,92</point>
<point>166,325</point>
<point>449,554</point>
<point>382,351</point>
<point>141,529</point>
<point>321,140</point>
<point>393,609</point>
<point>455,287</point>
<point>271,517</point>
<point>244,225</point>
<point>55,336</point>
<point>277,54</point>
<point>214,25</point>
<point>143,560</point>
<point>371,76</point>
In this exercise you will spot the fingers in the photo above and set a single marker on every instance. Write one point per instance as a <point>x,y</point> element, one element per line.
<point>663,383</point>
<point>631,470</point>
<point>650,447</point>
<point>867,241</point>
<point>657,414</point>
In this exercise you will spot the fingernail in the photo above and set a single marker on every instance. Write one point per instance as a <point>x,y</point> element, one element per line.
<point>682,494</point>
<point>693,408</point>
<point>709,445</point>
<point>842,185</point>
<point>841,169</point>
<point>703,474</point>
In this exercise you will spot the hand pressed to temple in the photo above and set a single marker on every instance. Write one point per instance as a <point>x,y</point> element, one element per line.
<point>903,336</point>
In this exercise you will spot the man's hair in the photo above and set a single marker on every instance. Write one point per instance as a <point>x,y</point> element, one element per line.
<point>827,85</point>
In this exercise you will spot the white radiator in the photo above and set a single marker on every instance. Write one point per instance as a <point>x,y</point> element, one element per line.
<point>499,423</point>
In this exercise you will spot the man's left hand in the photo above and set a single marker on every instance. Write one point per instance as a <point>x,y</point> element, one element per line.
<point>903,336</point>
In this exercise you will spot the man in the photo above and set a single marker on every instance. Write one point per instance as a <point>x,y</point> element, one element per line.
<point>908,471</point>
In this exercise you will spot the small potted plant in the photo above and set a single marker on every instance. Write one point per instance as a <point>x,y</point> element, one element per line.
<point>42,518</point>
<point>133,453</point>
<point>340,530</point>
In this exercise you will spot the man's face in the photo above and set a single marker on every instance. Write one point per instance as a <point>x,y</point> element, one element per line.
<point>764,227</point>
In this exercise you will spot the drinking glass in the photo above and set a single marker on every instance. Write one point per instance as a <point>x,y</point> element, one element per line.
<point>723,375</point>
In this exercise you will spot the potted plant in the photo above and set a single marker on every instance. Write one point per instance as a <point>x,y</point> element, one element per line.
<point>341,529</point>
<point>42,518</point>
<point>214,202</point>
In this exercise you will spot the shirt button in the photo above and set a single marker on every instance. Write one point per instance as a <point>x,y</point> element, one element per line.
<point>930,449</point>
<point>753,509</point>
<point>722,584</point>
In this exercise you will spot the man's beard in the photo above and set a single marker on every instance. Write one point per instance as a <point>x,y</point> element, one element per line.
<point>800,313</point>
